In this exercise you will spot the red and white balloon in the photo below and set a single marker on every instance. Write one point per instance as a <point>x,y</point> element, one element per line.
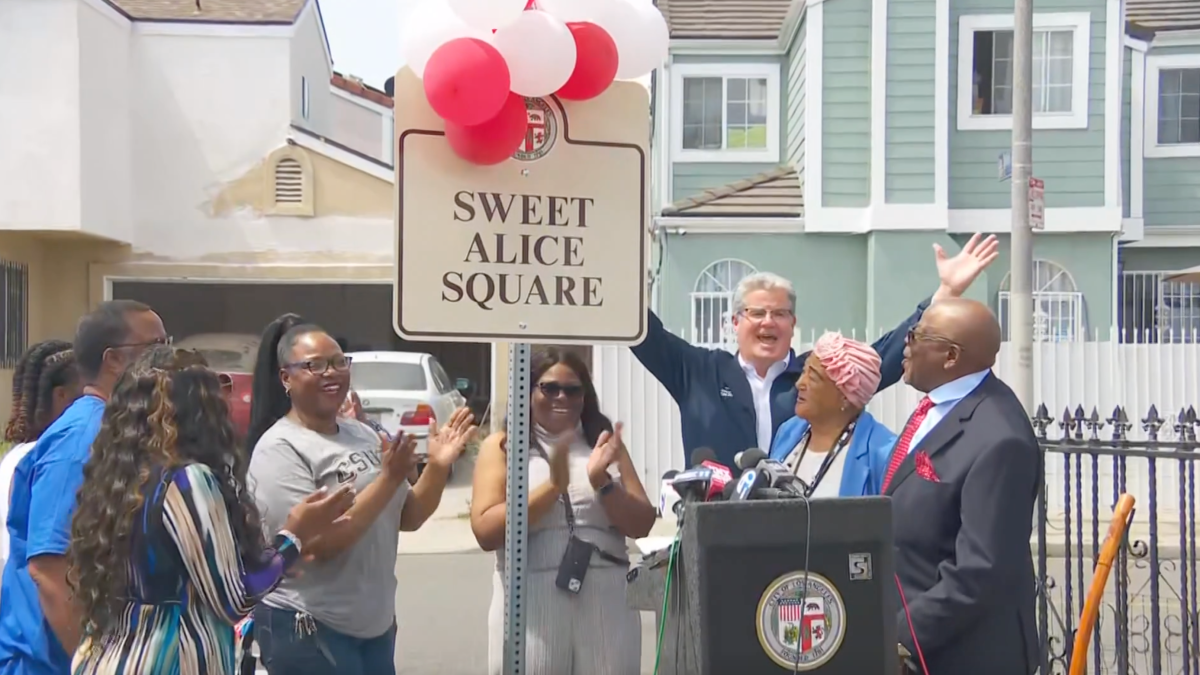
<point>479,58</point>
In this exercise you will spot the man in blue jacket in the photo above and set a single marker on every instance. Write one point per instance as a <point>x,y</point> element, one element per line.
<point>732,402</point>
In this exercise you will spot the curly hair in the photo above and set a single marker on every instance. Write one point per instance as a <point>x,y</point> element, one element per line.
<point>166,412</point>
<point>23,420</point>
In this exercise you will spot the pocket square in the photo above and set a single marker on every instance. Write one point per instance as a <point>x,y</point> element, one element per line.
<point>925,468</point>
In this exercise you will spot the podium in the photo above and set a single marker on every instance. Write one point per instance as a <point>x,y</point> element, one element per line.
<point>737,595</point>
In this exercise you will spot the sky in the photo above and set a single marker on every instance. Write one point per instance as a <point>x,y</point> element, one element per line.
<point>364,36</point>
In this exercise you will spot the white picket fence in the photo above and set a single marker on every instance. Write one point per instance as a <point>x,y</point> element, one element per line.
<point>1100,375</point>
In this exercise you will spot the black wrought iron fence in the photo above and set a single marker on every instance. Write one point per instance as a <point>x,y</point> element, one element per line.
<point>1148,621</point>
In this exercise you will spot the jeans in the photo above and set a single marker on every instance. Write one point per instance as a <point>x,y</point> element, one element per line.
<point>288,646</point>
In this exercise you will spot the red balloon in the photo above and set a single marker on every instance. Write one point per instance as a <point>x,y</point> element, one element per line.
<point>595,63</point>
<point>496,139</point>
<point>466,81</point>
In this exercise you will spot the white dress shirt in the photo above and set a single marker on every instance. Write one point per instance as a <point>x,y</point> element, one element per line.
<point>810,465</point>
<point>944,399</point>
<point>760,389</point>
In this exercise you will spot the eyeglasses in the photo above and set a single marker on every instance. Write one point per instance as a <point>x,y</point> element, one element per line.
<point>321,366</point>
<point>759,314</point>
<point>554,390</point>
<point>165,340</point>
<point>913,336</point>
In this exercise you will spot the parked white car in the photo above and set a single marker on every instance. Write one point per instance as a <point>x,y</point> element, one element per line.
<point>404,391</point>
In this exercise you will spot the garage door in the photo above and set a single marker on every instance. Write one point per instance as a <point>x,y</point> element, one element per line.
<point>361,314</point>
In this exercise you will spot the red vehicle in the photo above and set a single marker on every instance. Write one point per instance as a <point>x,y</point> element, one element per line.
<point>232,356</point>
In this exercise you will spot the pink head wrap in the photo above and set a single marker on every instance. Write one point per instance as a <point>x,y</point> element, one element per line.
<point>852,365</point>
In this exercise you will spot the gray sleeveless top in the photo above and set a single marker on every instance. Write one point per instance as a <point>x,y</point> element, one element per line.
<point>548,537</point>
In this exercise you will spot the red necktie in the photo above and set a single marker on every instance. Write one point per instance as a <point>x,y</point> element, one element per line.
<point>910,430</point>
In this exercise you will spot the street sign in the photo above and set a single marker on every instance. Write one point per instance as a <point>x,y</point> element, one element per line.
<point>1005,166</point>
<point>1037,204</point>
<point>549,246</point>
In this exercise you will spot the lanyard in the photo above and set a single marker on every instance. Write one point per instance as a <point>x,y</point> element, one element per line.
<point>842,442</point>
<point>569,513</point>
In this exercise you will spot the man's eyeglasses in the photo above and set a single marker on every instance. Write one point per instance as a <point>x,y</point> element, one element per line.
<point>321,366</point>
<point>554,389</point>
<point>759,314</point>
<point>165,340</point>
<point>913,336</point>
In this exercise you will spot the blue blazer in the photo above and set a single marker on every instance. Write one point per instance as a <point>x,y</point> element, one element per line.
<point>716,406</point>
<point>866,459</point>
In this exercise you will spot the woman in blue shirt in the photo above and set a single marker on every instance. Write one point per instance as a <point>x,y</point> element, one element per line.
<point>832,444</point>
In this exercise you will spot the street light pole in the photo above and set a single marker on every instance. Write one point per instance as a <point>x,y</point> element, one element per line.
<point>1020,299</point>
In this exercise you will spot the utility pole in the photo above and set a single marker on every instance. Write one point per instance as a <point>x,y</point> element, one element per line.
<point>1020,299</point>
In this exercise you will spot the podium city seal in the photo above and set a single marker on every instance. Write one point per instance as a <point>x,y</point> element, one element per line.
<point>801,627</point>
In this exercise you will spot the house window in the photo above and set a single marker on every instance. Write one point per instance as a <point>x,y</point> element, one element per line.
<point>1058,308</point>
<point>304,98</point>
<point>1172,106</point>
<point>725,113</point>
<point>1178,106</point>
<point>712,303</point>
<point>1152,311</point>
<point>1061,50</point>
<point>14,293</point>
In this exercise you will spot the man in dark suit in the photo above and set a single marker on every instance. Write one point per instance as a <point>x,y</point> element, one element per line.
<point>731,402</point>
<point>963,480</point>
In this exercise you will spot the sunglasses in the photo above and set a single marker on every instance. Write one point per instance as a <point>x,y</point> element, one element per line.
<point>912,337</point>
<point>554,390</point>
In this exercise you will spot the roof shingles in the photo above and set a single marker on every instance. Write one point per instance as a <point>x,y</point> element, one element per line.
<point>776,193</point>
<point>212,11</point>
<point>725,19</point>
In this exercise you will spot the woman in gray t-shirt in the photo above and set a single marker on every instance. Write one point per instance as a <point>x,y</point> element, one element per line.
<point>338,618</point>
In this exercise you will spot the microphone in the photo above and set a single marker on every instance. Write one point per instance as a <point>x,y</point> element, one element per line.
<point>764,478</point>
<point>668,498</point>
<point>748,459</point>
<point>750,485</point>
<point>729,491</point>
<point>721,475</point>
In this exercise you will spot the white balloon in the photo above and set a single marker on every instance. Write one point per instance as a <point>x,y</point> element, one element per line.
<point>640,33</point>
<point>430,25</point>
<point>488,14</point>
<point>540,53</point>
<point>569,11</point>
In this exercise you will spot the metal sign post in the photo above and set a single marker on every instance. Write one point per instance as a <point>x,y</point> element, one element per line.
<point>516,531</point>
<point>549,246</point>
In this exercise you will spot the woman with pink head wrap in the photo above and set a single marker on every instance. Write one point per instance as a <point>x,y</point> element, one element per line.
<point>833,445</point>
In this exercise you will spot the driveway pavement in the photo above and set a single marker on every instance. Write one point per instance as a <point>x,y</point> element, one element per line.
<point>445,590</point>
<point>441,610</point>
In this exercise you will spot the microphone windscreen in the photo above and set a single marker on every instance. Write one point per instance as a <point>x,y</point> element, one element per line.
<point>748,459</point>
<point>670,473</point>
<point>727,493</point>
<point>703,454</point>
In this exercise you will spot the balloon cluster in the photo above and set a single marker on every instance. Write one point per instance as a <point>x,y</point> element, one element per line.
<point>479,59</point>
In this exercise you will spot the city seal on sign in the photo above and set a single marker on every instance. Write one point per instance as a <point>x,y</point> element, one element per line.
<point>540,131</point>
<point>800,627</point>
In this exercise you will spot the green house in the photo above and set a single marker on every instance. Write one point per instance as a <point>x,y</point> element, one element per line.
<point>834,142</point>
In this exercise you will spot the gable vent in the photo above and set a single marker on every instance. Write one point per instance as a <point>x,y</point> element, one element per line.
<point>289,182</point>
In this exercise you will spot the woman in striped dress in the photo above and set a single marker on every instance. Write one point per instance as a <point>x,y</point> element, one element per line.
<point>167,552</point>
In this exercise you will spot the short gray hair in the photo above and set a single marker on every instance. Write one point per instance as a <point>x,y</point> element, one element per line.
<point>762,281</point>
